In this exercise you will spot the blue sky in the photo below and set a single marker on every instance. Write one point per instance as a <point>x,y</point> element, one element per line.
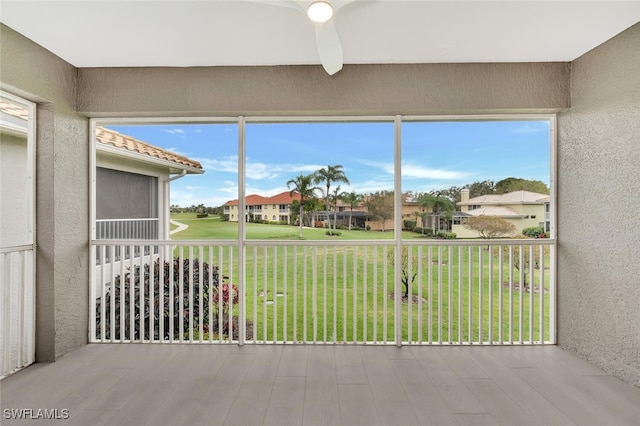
<point>436,155</point>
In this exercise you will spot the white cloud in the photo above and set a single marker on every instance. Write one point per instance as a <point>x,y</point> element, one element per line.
<point>173,131</point>
<point>256,170</point>
<point>226,164</point>
<point>417,171</point>
<point>413,170</point>
<point>383,184</point>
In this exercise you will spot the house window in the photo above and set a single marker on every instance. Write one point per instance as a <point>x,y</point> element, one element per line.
<point>274,217</point>
<point>124,195</point>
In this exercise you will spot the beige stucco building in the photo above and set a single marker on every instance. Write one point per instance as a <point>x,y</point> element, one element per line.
<point>523,209</point>
<point>276,208</point>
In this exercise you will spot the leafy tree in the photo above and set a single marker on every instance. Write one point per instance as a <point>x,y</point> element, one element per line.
<point>303,186</point>
<point>478,188</point>
<point>489,226</point>
<point>511,184</point>
<point>312,206</point>
<point>436,203</point>
<point>380,206</point>
<point>452,193</point>
<point>354,200</point>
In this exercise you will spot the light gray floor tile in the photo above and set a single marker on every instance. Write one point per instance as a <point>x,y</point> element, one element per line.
<point>192,384</point>
<point>426,402</point>
<point>357,406</point>
<point>287,401</point>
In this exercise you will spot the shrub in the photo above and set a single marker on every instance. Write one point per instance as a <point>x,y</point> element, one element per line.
<point>533,232</point>
<point>127,288</point>
<point>424,231</point>
<point>446,235</point>
<point>202,215</point>
<point>409,224</point>
<point>331,232</point>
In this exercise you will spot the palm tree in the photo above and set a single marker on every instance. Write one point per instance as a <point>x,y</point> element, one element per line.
<point>436,202</point>
<point>302,186</point>
<point>328,175</point>
<point>334,198</point>
<point>354,200</point>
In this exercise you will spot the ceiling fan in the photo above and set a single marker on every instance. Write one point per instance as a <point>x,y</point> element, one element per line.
<point>321,13</point>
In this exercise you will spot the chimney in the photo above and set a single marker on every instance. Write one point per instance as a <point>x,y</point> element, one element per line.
<point>464,198</point>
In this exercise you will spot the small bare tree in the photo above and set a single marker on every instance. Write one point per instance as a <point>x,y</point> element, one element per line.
<point>408,274</point>
<point>525,265</point>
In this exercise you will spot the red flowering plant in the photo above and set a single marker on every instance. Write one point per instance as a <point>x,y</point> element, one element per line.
<point>222,294</point>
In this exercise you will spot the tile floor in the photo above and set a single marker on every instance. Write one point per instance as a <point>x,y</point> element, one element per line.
<point>144,384</point>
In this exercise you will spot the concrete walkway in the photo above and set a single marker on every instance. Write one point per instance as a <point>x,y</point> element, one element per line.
<point>180,226</point>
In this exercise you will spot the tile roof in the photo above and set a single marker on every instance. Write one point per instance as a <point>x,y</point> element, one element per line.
<point>111,137</point>
<point>499,211</point>
<point>256,200</point>
<point>515,197</point>
<point>13,109</point>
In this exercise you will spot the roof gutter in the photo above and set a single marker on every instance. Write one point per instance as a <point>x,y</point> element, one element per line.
<point>182,174</point>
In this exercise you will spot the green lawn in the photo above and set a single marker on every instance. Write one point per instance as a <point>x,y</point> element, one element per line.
<point>343,293</point>
<point>213,227</point>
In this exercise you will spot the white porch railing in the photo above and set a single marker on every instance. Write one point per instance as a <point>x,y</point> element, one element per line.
<point>17,315</point>
<point>121,229</point>
<point>461,292</point>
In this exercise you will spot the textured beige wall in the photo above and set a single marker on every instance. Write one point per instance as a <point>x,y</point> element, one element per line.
<point>32,72</point>
<point>307,90</point>
<point>598,209</point>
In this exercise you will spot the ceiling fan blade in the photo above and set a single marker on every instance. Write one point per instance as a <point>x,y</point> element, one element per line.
<point>329,47</point>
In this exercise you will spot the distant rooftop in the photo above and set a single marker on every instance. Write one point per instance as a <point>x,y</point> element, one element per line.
<point>515,197</point>
<point>256,200</point>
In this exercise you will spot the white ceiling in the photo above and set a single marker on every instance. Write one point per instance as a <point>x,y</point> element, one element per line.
<point>94,33</point>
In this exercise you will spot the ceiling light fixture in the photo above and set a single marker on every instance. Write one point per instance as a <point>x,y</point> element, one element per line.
<point>320,11</point>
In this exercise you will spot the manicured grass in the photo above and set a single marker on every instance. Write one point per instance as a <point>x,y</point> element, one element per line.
<point>343,293</point>
<point>212,228</point>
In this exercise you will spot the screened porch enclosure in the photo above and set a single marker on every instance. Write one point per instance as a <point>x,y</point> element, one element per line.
<point>409,289</point>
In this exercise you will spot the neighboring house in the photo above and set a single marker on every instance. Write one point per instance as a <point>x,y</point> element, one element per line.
<point>274,209</point>
<point>524,209</point>
<point>132,194</point>
<point>132,186</point>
